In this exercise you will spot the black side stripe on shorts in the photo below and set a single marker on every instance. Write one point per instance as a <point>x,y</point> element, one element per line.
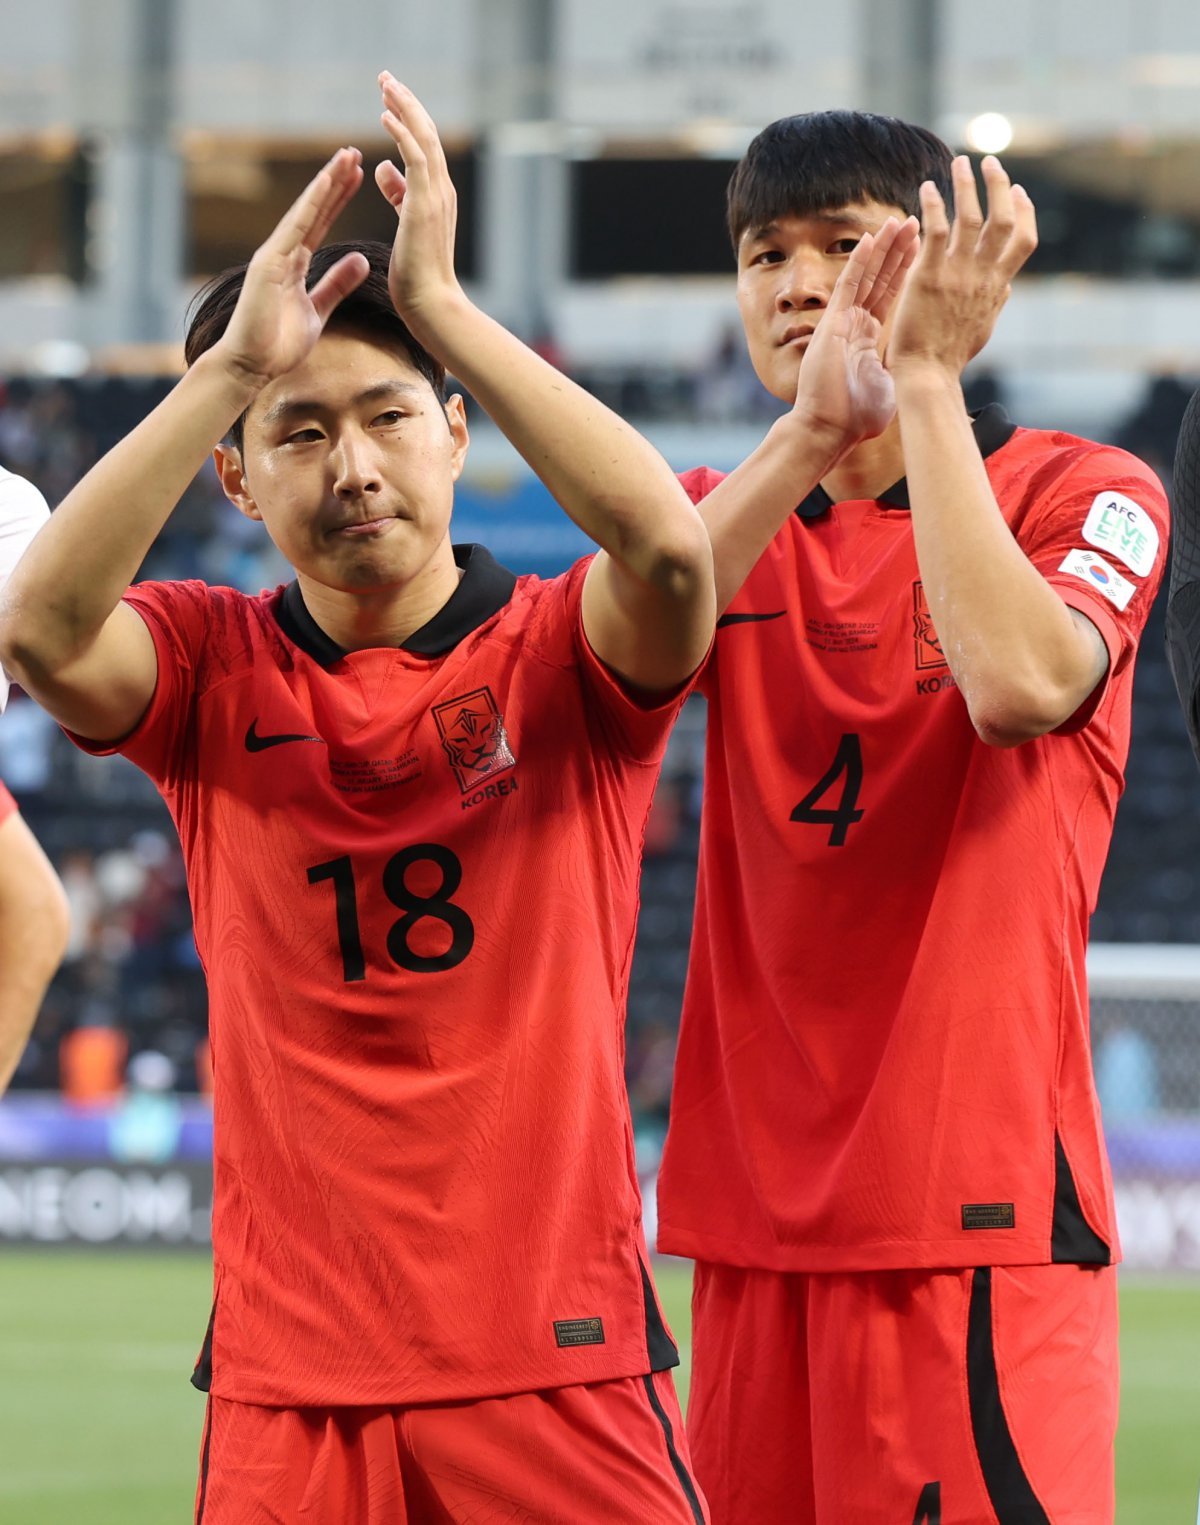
<point>1009,1490</point>
<point>681,1472</point>
<point>203,1492</point>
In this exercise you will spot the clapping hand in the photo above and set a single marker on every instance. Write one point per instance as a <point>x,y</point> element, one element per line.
<point>844,387</point>
<point>277,320</point>
<point>963,275</point>
<point>423,195</point>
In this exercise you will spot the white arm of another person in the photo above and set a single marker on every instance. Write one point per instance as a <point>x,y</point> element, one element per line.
<point>23,511</point>
<point>33,937</point>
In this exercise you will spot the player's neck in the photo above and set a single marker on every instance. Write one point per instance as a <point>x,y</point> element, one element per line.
<point>383,616</point>
<point>870,468</point>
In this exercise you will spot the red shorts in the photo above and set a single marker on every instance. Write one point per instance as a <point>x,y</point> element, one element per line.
<point>613,1453</point>
<point>977,1397</point>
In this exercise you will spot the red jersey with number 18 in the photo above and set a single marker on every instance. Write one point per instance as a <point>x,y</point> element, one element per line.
<point>883,1060</point>
<point>414,878</point>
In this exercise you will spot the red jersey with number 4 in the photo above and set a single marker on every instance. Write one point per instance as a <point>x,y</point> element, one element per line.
<point>884,1053</point>
<point>414,879</point>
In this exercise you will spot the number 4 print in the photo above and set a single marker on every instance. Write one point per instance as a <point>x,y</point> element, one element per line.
<point>929,1505</point>
<point>847,765</point>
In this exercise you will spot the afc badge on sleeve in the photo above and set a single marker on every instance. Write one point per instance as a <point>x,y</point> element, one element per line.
<point>1122,528</point>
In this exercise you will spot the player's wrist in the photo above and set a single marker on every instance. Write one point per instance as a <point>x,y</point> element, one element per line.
<point>222,366</point>
<point>934,374</point>
<point>433,310</point>
<point>819,443</point>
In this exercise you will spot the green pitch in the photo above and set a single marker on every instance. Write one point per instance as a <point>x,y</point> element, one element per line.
<point>98,1422</point>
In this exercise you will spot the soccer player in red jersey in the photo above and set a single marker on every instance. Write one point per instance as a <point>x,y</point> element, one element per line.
<point>885,1149</point>
<point>34,922</point>
<point>411,790</point>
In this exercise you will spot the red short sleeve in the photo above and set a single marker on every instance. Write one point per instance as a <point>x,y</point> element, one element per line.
<point>177,616</point>
<point>636,723</point>
<point>700,481</point>
<point>1098,535</point>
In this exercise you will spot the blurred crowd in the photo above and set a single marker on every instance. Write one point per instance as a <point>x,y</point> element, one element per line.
<point>131,991</point>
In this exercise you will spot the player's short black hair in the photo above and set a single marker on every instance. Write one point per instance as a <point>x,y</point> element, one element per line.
<point>825,159</point>
<point>367,310</point>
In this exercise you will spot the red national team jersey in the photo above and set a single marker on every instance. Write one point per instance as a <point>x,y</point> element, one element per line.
<point>414,879</point>
<point>8,806</point>
<point>884,1053</point>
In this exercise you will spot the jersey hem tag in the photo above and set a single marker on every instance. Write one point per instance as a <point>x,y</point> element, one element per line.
<point>578,1331</point>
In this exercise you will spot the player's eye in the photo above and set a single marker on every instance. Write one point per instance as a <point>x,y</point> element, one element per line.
<point>844,245</point>
<point>392,416</point>
<point>767,257</point>
<point>303,436</point>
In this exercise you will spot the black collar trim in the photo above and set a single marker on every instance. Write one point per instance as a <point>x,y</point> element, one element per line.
<point>992,428</point>
<point>483,590</point>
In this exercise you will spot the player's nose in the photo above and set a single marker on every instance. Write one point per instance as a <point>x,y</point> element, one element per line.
<point>354,465</point>
<point>803,285</point>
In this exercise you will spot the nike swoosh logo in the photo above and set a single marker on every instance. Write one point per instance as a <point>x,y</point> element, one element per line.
<point>257,743</point>
<point>748,619</point>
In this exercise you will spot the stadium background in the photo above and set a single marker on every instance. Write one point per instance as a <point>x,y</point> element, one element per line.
<point>145,144</point>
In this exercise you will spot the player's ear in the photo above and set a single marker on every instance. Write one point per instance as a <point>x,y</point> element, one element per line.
<point>456,418</point>
<point>228,461</point>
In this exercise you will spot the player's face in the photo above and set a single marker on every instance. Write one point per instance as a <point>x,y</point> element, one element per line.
<point>786,273</point>
<point>350,461</point>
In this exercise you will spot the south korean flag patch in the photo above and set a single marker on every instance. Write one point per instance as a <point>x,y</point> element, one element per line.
<point>1122,528</point>
<point>1098,574</point>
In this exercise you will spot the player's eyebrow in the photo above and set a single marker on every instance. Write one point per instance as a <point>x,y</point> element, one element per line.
<point>841,217</point>
<point>297,407</point>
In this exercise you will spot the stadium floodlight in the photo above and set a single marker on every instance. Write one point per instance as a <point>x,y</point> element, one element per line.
<point>989,132</point>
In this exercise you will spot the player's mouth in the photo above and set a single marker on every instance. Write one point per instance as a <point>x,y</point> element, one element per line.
<point>796,338</point>
<point>364,529</point>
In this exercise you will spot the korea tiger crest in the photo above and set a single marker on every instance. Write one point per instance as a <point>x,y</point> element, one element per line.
<point>928,647</point>
<point>473,737</point>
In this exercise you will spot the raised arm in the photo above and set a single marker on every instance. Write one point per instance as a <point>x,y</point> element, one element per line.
<point>648,603</point>
<point>1023,660</point>
<point>64,632</point>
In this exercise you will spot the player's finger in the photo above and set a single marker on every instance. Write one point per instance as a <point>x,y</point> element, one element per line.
<point>296,225</point>
<point>338,282</point>
<point>882,241</point>
<point>391,182</point>
<point>935,226</point>
<point>416,165</point>
<point>854,273</point>
<point>888,240</point>
<point>346,185</point>
<point>1001,217</point>
<point>968,214</point>
<point>405,106</point>
<point>889,283</point>
<point>1024,238</point>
